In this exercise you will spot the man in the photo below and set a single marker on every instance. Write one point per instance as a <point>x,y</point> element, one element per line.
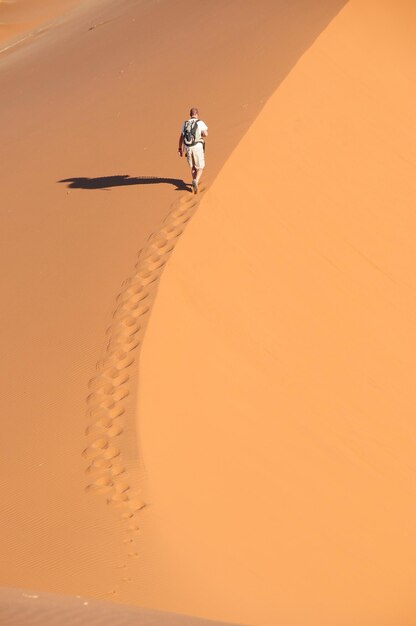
<point>192,139</point>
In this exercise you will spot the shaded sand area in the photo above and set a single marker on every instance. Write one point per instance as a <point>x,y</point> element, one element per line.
<point>276,404</point>
<point>90,110</point>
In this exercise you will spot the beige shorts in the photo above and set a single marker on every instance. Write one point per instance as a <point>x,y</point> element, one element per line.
<point>195,156</point>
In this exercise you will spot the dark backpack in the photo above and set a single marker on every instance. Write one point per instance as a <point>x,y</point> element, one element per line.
<point>190,129</point>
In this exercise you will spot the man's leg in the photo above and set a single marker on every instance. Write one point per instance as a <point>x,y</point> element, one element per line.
<point>198,175</point>
<point>193,168</point>
<point>195,181</point>
<point>197,162</point>
<point>191,163</point>
<point>200,161</point>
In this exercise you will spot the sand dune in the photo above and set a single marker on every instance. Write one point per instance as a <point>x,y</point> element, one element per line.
<point>78,103</point>
<point>280,354</point>
<point>266,473</point>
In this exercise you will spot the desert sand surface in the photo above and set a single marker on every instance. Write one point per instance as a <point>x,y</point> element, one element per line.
<point>26,18</point>
<point>23,607</point>
<point>279,359</point>
<point>208,416</point>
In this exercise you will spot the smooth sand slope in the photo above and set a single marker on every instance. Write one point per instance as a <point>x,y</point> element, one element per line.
<point>27,18</point>
<point>276,403</point>
<point>96,100</point>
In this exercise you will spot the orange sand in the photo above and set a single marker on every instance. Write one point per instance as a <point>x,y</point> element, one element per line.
<point>266,476</point>
<point>23,607</point>
<point>276,404</point>
<point>26,18</point>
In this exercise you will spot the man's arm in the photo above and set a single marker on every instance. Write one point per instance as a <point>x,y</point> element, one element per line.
<point>180,151</point>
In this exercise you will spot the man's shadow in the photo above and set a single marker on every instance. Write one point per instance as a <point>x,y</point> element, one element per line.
<point>106,182</point>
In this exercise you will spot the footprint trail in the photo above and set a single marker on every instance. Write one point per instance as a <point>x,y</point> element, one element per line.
<point>107,415</point>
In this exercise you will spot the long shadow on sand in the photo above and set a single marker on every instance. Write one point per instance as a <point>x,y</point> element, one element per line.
<point>106,182</point>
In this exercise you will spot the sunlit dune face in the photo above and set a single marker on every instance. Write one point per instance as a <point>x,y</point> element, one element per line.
<point>286,351</point>
<point>208,399</point>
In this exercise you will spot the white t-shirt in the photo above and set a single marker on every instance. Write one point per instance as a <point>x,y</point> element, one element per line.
<point>201,127</point>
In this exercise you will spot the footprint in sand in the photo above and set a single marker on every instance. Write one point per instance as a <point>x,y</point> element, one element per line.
<point>110,386</point>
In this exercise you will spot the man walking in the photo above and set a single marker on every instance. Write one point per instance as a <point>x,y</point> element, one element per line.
<point>192,138</point>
